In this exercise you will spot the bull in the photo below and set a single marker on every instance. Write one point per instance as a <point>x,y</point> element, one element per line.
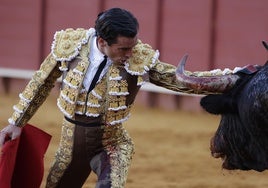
<point>241,140</point>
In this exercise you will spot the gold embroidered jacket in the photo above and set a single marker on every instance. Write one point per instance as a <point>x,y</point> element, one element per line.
<point>112,97</point>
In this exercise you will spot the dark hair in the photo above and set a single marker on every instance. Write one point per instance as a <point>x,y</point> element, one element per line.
<point>116,22</point>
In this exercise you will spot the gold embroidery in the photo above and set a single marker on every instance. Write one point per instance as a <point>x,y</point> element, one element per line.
<point>140,80</point>
<point>81,67</point>
<point>63,155</point>
<point>21,105</point>
<point>117,102</point>
<point>142,59</point>
<point>120,148</point>
<point>66,44</point>
<point>114,73</point>
<point>36,91</point>
<point>124,86</point>
<point>73,83</point>
<point>114,86</point>
<point>114,117</point>
<point>101,88</point>
<point>64,66</point>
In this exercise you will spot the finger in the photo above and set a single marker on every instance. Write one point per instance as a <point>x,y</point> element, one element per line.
<point>16,133</point>
<point>14,136</point>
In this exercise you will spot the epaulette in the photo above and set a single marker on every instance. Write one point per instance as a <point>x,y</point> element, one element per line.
<point>142,59</point>
<point>67,43</point>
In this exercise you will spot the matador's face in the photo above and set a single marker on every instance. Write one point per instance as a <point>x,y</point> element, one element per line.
<point>120,51</point>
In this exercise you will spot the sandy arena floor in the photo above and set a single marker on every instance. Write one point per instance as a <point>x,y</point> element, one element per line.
<point>172,148</point>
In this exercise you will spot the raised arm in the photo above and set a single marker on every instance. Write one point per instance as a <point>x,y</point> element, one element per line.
<point>199,82</point>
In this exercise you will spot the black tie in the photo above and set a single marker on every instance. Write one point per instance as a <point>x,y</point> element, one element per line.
<point>95,79</point>
<point>97,75</point>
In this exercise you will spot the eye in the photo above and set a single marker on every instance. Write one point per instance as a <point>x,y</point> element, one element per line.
<point>125,49</point>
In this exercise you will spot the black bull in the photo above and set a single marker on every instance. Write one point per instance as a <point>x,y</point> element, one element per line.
<point>241,139</point>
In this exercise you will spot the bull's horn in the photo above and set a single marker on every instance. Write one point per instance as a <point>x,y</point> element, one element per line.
<point>203,84</point>
<point>265,44</point>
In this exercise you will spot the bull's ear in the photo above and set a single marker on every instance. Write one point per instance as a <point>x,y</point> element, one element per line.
<point>265,45</point>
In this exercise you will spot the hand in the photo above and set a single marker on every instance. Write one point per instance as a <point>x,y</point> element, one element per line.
<point>11,131</point>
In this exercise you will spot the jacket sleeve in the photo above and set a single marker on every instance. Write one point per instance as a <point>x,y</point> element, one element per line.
<point>35,92</point>
<point>164,75</point>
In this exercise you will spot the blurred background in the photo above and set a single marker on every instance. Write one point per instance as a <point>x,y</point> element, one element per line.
<point>215,34</point>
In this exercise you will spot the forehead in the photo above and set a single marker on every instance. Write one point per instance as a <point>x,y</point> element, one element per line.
<point>126,42</point>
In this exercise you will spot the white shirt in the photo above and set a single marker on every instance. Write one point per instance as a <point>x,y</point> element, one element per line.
<point>95,59</point>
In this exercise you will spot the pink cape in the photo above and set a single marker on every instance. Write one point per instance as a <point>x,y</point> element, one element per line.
<point>22,159</point>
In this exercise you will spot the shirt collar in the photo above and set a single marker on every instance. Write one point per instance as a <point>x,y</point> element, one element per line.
<point>96,56</point>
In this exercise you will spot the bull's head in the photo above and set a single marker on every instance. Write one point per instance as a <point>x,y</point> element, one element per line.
<point>213,84</point>
<point>241,138</point>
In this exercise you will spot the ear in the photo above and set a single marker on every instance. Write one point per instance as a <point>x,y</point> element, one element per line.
<point>101,42</point>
